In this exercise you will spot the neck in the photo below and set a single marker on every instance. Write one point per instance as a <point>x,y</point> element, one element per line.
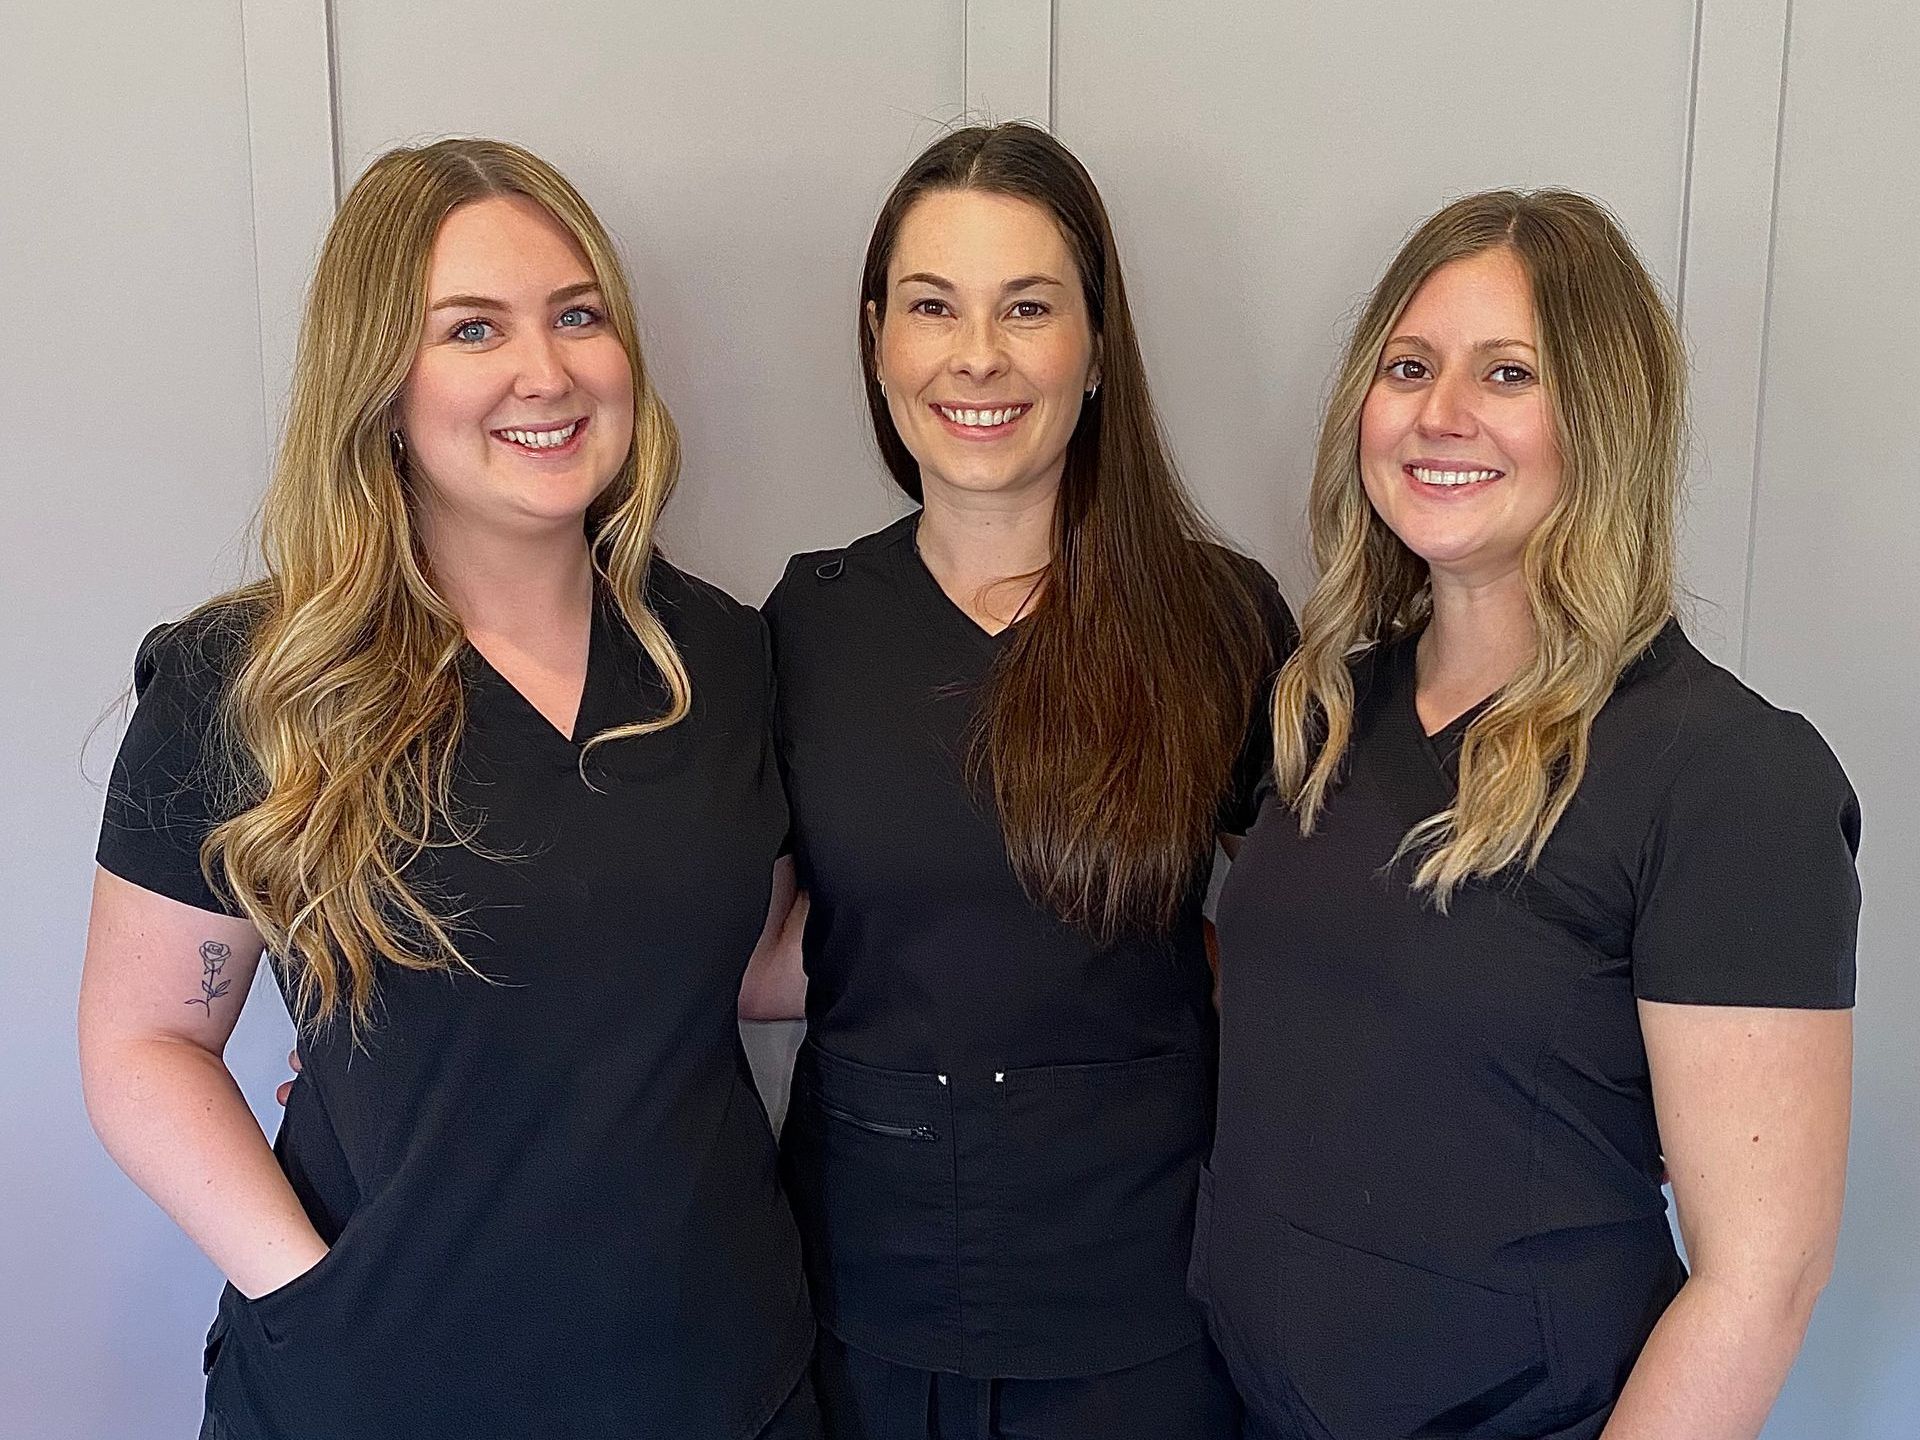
<point>985,549</point>
<point>1480,635</point>
<point>500,584</point>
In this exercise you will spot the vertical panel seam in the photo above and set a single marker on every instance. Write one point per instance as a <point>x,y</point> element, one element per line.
<point>1766,342</point>
<point>1053,64</point>
<point>1686,167</point>
<point>333,103</point>
<point>253,240</point>
<point>966,61</point>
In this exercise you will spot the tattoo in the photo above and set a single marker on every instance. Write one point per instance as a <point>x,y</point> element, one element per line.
<point>213,959</point>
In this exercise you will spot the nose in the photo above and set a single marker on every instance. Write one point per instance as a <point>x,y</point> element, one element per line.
<point>978,349</point>
<point>543,372</point>
<point>1447,408</point>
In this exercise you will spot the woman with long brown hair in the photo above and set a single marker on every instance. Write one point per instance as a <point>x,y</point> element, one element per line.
<point>1012,726</point>
<point>1544,907</point>
<point>492,784</point>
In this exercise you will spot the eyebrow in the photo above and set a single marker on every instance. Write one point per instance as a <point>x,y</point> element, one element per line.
<point>485,302</point>
<point>1422,343</point>
<point>940,282</point>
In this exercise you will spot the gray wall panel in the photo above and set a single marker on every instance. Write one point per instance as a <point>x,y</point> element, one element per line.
<point>1264,161</point>
<point>740,152</point>
<point>130,396</point>
<point>1832,630</point>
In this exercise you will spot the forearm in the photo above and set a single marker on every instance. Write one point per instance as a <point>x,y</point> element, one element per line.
<point>1714,1364</point>
<point>171,1116</point>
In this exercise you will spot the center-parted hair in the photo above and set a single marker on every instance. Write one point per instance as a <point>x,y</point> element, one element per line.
<point>1110,722</point>
<point>344,718</point>
<point>1599,570</point>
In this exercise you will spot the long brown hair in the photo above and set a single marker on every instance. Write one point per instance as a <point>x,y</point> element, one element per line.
<point>1109,724</point>
<point>1599,569</point>
<point>346,713</point>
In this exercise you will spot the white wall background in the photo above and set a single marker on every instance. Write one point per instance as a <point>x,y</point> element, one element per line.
<point>166,172</point>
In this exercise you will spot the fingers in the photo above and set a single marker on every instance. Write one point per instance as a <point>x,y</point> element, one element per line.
<point>293,1061</point>
<point>282,1091</point>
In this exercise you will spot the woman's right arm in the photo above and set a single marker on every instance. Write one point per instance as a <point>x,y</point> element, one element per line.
<point>161,990</point>
<point>775,985</point>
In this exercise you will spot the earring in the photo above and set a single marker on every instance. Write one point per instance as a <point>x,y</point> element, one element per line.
<point>1093,389</point>
<point>399,444</point>
<point>883,386</point>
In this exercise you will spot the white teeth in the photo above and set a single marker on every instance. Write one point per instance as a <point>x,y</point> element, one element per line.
<point>981,419</point>
<point>1451,477</point>
<point>542,439</point>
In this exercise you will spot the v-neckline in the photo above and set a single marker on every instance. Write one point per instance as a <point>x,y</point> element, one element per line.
<point>530,712</point>
<point>943,604</point>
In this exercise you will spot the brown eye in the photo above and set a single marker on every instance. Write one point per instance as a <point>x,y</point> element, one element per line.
<point>1406,368</point>
<point>1511,374</point>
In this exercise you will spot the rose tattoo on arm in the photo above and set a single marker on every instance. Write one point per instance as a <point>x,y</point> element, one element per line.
<point>213,959</point>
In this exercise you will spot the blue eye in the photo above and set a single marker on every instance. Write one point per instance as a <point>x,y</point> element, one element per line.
<point>586,313</point>
<point>471,332</point>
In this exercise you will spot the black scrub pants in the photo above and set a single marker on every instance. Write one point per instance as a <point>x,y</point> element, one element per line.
<point>797,1419</point>
<point>1182,1396</point>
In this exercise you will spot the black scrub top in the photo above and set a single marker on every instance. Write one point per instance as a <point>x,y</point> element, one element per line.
<point>551,1192</point>
<point>996,1125</point>
<point>1434,1204</point>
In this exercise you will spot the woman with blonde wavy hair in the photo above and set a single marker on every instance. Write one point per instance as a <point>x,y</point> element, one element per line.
<point>1543,907</point>
<point>491,783</point>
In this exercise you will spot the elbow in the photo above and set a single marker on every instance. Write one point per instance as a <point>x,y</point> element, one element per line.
<point>759,1004</point>
<point>1778,1303</point>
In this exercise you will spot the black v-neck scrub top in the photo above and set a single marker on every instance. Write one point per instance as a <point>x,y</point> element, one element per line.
<point>1434,1204</point>
<point>551,1192</point>
<point>996,1125</point>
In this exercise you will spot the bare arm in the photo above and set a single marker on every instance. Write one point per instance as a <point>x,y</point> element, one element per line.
<point>775,985</point>
<point>1753,1107</point>
<point>162,988</point>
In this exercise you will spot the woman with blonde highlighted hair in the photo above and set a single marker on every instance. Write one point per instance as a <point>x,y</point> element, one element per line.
<point>491,782</point>
<point>1542,907</point>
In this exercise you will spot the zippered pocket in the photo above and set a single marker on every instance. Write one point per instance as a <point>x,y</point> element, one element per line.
<point>877,1127</point>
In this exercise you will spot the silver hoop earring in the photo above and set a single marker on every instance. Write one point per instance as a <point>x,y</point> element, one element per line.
<point>883,386</point>
<point>399,444</point>
<point>1093,389</point>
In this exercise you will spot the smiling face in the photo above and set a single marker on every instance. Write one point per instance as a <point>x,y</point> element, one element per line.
<point>1457,446</point>
<point>518,410</point>
<point>985,348</point>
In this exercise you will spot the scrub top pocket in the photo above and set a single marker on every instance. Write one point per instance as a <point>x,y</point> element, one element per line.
<point>868,1159</point>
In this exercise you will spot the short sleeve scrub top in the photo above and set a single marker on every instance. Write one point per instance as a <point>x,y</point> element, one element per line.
<point>1434,1205</point>
<point>996,1124</point>
<point>549,1187</point>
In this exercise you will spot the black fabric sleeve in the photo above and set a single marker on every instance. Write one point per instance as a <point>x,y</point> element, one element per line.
<point>169,786</point>
<point>1747,888</point>
<point>1253,770</point>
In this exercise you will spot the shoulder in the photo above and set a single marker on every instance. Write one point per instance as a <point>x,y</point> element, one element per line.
<point>717,635</point>
<point>1258,587</point>
<point>816,573</point>
<point>193,660</point>
<point>1689,725</point>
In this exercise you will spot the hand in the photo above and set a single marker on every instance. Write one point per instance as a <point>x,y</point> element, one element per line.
<point>285,1087</point>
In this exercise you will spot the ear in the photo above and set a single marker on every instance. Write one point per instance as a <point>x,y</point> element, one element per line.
<point>873,321</point>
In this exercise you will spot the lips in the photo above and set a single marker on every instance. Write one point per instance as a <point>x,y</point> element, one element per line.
<point>1450,476</point>
<point>980,422</point>
<point>559,438</point>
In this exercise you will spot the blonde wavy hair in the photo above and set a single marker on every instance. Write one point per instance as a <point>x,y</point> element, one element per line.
<point>1599,569</point>
<point>342,722</point>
